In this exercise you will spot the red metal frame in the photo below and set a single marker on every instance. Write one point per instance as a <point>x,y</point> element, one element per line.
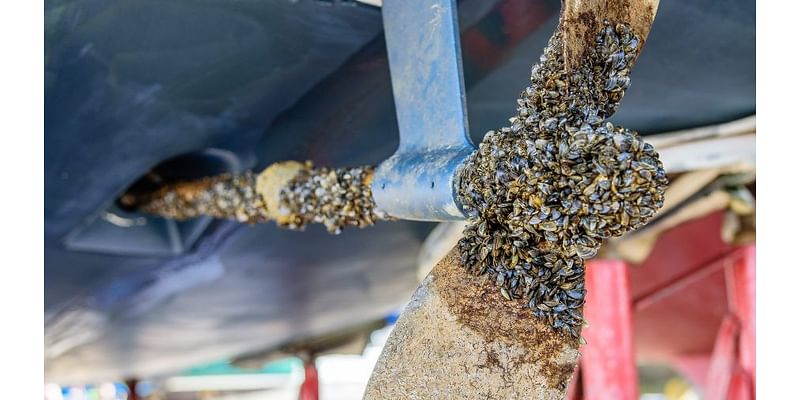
<point>723,359</point>
<point>309,390</point>
<point>742,278</point>
<point>608,364</point>
<point>679,283</point>
<point>733,363</point>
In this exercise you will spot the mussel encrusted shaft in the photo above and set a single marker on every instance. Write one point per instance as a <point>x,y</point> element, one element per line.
<point>544,192</point>
<point>290,193</point>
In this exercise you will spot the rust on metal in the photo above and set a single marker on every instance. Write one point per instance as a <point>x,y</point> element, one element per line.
<point>478,305</point>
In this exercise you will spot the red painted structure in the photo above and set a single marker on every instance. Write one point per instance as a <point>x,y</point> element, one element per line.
<point>609,364</point>
<point>691,304</point>
<point>309,390</point>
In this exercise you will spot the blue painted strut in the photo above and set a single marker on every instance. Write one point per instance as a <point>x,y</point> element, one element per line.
<point>418,182</point>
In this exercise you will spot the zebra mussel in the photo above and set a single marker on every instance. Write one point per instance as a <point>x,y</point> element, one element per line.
<point>333,197</point>
<point>544,192</point>
<point>222,196</point>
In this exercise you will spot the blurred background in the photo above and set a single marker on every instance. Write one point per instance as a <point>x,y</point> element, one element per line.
<point>148,91</point>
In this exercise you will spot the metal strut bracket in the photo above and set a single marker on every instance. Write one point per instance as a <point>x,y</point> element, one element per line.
<point>418,182</point>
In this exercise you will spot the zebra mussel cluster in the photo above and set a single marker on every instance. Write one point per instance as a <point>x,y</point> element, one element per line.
<point>543,193</point>
<point>222,196</point>
<point>333,197</point>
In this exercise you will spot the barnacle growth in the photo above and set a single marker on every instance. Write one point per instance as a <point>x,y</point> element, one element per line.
<point>543,193</point>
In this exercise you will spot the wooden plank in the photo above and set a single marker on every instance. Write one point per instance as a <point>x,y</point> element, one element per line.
<point>711,153</point>
<point>737,127</point>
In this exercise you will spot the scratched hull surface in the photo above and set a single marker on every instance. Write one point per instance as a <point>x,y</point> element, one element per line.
<point>130,84</point>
